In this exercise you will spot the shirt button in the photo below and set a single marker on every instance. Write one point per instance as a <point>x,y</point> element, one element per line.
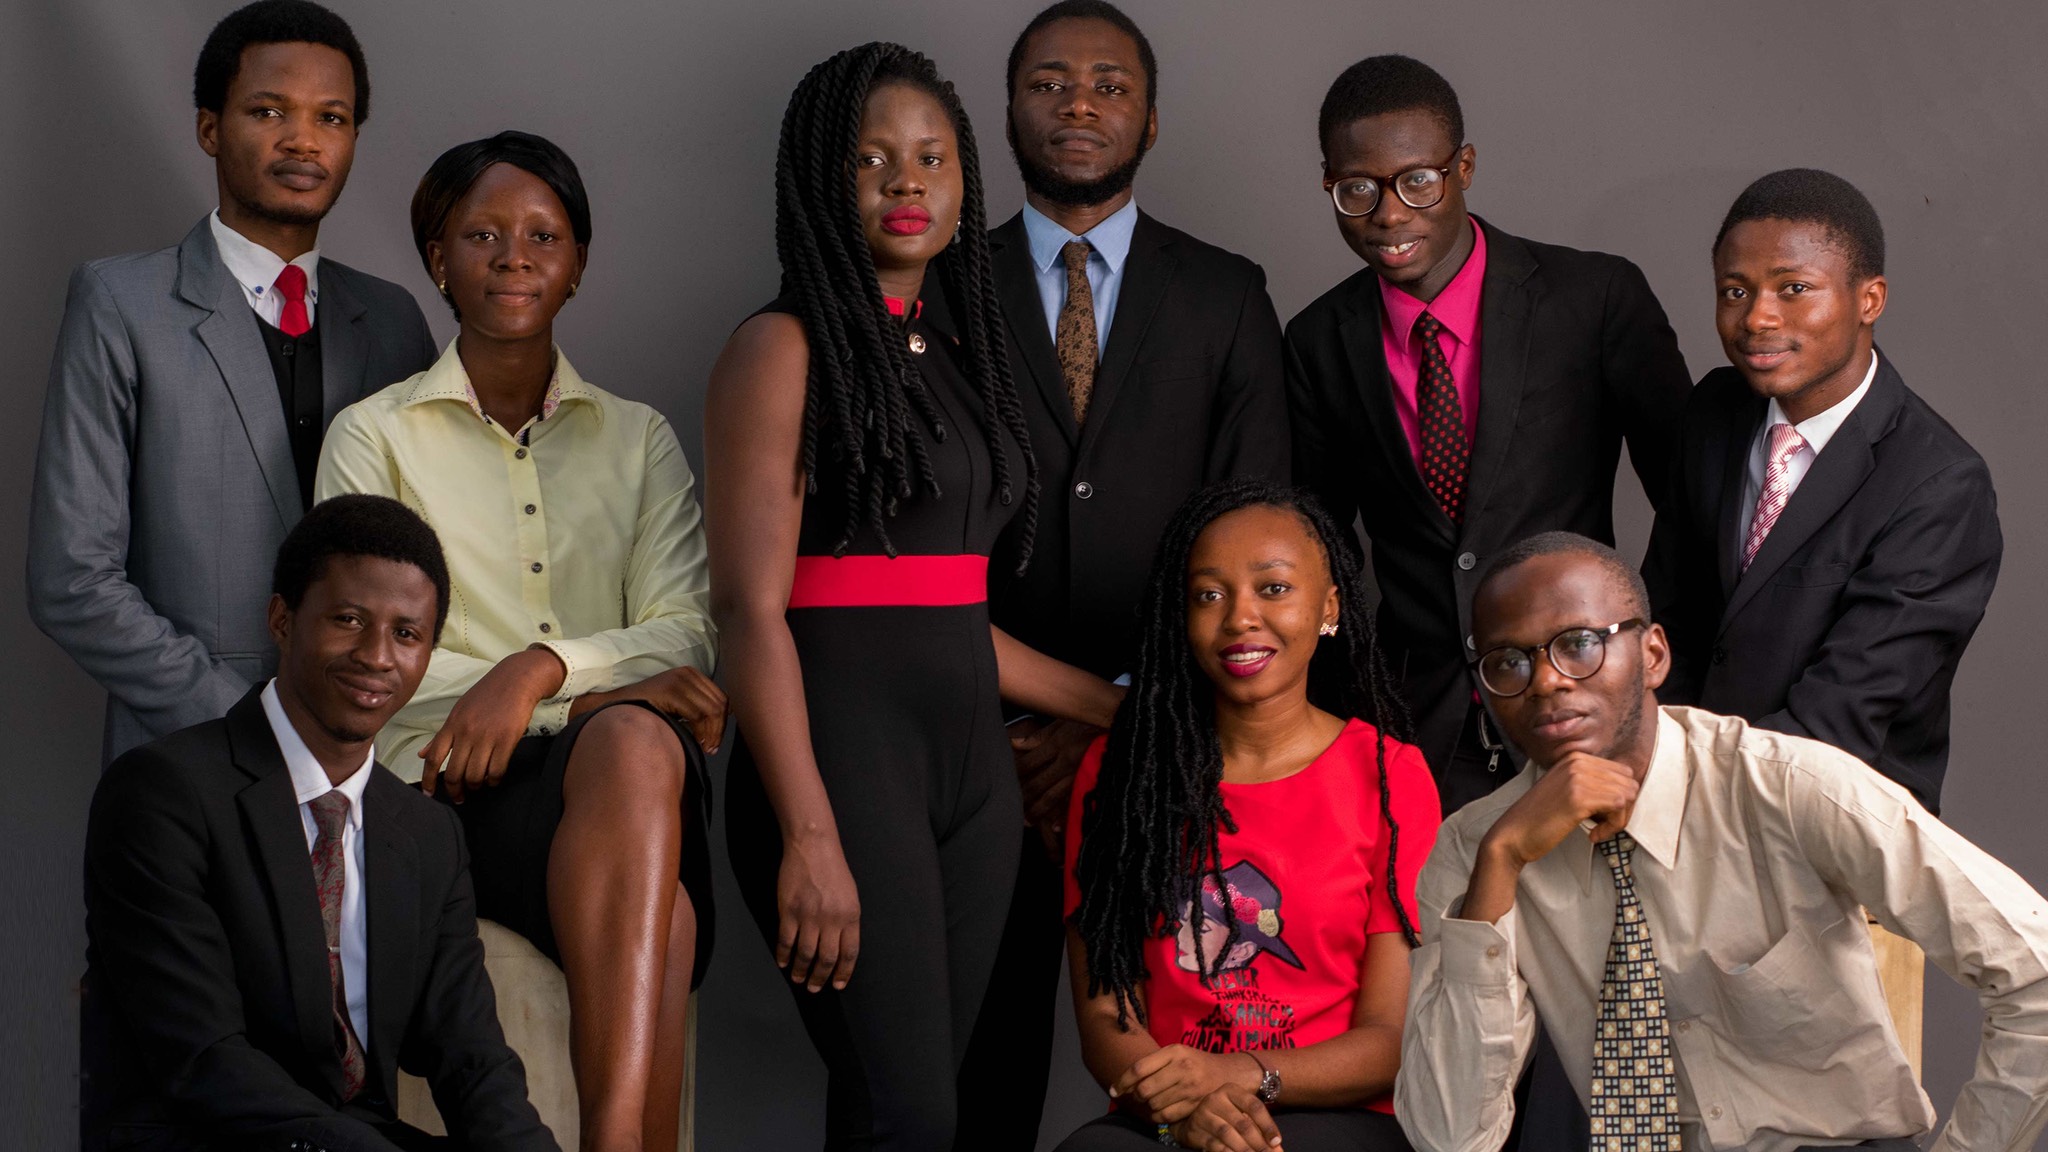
<point>519,455</point>
<point>530,509</point>
<point>1466,560</point>
<point>536,565</point>
<point>1684,1025</point>
<point>1714,1113</point>
<point>1493,952</point>
<point>546,627</point>
<point>1084,490</point>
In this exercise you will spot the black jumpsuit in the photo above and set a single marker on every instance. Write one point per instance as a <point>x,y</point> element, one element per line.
<point>908,734</point>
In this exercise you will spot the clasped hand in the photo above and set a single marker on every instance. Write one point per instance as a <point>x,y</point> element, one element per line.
<point>1208,1098</point>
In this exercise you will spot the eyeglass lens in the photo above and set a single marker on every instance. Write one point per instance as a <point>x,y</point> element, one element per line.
<point>1417,188</point>
<point>1577,653</point>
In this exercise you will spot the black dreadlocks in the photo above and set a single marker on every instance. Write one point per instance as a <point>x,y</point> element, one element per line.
<point>864,396</point>
<point>1149,831</point>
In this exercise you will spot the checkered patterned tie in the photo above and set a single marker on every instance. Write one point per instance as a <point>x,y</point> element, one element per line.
<point>1633,1087</point>
<point>329,875</point>
<point>1785,444</point>
<point>1445,453</point>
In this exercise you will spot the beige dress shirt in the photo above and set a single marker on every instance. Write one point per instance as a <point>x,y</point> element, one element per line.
<point>1757,852</point>
<point>579,532</point>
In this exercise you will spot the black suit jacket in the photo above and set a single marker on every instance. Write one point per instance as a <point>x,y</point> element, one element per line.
<point>1849,624</point>
<point>208,1019</point>
<point>1189,391</point>
<point>1574,356</point>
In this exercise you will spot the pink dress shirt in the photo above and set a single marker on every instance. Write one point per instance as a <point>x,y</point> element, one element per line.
<point>1457,309</point>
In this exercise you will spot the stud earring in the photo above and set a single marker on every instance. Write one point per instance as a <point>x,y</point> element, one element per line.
<point>572,291</point>
<point>443,286</point>
<point>1327,630</point>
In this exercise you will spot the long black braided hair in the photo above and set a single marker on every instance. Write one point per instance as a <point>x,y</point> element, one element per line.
<point>1150,830</point>
<point>865,400</point>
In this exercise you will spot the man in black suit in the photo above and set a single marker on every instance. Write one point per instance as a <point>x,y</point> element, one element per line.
<point>1464,391</point>
<point>1149,365</point>
<point>276,924</point>
<point>1832,542</point>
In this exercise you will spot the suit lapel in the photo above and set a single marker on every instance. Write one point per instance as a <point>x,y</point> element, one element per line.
<point>1024,313</point>
<point>391,890</point>
<point>1836,474</point>
<point>1367,353</point>
<point>1743,423</point>
<point>1148,269</point>
<point>236,344</point>
<point>344,346</point>
<point>1506,303</point>
<point>270,812</point>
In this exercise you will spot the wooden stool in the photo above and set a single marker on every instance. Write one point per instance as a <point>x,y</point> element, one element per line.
<point>533,1009</point>
<point>1902,971</point>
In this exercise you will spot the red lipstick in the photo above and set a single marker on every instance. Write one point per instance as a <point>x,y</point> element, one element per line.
<point>909,220</point>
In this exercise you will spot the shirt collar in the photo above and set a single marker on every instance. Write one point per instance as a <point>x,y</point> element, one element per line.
<point>1659,813</point>
<point>1820,428</point>
<point>448,380</point>
<point>255,267</point>
<point>309,779</point>
<point>1111,238</point>
<point>1456,307</point>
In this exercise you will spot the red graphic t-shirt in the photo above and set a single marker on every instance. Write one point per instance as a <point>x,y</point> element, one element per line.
<point>1306,877</point>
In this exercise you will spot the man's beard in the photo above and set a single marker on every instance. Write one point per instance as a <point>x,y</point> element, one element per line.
<point>288,216</point>
<point>1076,193</point>
<point>1631,726</point>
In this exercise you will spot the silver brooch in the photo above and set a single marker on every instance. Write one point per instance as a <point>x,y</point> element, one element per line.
<point>916,343</point>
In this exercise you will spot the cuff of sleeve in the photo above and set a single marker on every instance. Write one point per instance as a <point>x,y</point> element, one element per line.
<point>586,670</point>
<point>549,717</point>
<point>1475,952</point>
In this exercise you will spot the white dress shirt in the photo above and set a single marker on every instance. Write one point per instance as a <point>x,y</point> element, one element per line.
<point>1109,246</point>
<point>309,782</point>
<point>1816,430</point>
<point>1757,854</point>
<point>255,268</point>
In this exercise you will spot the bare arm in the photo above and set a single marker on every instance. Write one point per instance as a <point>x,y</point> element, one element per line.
<point>1107,1050</point>
<point>753,510</point>
<point>1033,680</point>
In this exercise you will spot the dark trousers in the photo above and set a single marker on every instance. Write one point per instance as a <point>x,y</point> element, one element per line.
<point>1002,1081</point>
<point>1304,1130</point>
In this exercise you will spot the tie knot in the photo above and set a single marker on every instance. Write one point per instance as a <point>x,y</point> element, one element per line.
<point>330,808</point>
<point>1617,848</point>
<point>1428,326</point>
<point>291,283</point>
<point>1075,254</point>
<point>1785,440</point>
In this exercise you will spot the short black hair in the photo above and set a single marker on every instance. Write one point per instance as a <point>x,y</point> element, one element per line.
<point>273,22</point>
<point>1087,10</point>
<point>1623,573</point>
<point>452,174</point>
<point>1811,196</point>
<point>359,525</point>
<point>1382,84</point>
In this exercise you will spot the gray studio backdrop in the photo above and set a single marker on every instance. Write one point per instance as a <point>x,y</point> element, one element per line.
<point>1613,125</point>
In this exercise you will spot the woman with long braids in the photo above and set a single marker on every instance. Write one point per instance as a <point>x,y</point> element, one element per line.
<point>864,446</point>
<point>1243,848</point>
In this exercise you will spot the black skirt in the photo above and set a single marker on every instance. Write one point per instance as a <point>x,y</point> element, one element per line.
<point>510,830</point>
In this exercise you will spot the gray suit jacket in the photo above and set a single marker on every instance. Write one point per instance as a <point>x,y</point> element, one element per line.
<point>164,483</point>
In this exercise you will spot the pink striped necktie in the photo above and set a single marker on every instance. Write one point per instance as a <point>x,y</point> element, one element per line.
<point>1770,503</point>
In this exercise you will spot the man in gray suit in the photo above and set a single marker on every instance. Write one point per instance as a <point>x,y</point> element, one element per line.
<point>191,386</point>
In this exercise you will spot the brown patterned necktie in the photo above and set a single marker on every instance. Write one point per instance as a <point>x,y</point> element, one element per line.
<point>1075,332</point>
<point>329,875</point>
<point>1445,453</point>
<point>1633,1088</point>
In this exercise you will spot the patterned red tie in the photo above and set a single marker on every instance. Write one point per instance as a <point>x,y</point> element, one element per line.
<point>330,809</point>
<point>1445,453</point>
<point>1785,444</point>
<point>291,286</point>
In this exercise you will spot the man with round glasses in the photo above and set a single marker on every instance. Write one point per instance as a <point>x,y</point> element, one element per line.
<point>1677,897</point>
<point>1465,389</point>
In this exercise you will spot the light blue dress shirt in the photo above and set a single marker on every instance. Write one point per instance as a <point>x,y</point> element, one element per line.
<point>1110,242</point>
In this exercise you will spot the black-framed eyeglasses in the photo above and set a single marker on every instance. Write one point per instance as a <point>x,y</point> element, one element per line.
<point>1574,652</point>
<point>1417,187</point>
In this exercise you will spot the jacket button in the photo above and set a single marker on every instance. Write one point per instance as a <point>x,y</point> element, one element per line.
<point>1720,656</point>
<point>1466,560</point>
<point>519,455</point>
<point>1084,490</point>
<point>530,509</point>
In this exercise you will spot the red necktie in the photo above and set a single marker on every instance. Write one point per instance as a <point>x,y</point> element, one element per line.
<point>1445,454</point>
<point>291,285</point>
<point>329,874</point>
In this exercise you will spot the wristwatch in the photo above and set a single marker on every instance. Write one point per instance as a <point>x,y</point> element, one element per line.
<point>1269,1080</point>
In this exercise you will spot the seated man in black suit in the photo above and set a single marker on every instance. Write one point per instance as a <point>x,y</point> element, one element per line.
<point>275,923</point>
<point>1466,389</point>
<point>1831,543</point>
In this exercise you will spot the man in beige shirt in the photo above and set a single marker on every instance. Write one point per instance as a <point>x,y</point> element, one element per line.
<point>1678,896</point>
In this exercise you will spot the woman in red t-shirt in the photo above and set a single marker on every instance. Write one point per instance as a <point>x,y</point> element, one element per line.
<point>1243,847</point>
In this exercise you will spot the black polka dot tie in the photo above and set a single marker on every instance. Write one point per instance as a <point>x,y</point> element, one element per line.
<point>1633,1090</point>
<point>1446,455</point>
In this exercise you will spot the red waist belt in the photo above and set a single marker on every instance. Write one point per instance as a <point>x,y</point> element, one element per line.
<point>882,581</point>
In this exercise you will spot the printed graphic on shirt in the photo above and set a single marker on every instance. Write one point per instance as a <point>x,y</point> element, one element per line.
<point>1244,1017</point>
